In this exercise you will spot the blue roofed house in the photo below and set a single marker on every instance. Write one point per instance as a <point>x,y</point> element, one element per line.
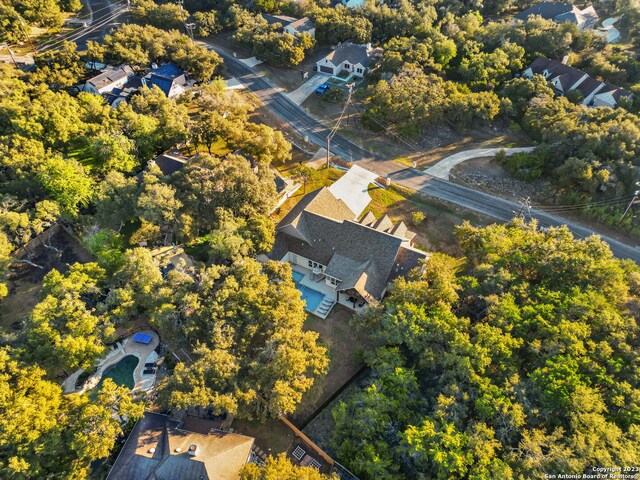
<point>168,78</point>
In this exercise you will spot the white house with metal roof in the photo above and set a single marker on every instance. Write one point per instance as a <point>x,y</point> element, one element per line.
<point>108,80</point>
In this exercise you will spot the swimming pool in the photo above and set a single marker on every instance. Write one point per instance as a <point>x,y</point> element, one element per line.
<point>121,373</point>
<point>311,297</point>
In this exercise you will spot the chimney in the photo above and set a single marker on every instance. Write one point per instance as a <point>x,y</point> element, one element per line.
<point>368,46</point>
<point>193,450</point>
<point>565,60</point>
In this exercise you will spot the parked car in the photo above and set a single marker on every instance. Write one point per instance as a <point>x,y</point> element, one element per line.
<point>322,88</point>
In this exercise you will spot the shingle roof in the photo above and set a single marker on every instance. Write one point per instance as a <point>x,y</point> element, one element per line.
<point>616,92</point>
<point>220,455</point>
<point>548,10</point>
<point>352,53</point>
<point>284,20</point>
<point>321,228</point>
<point>302,25</point>
<point>560,12</point>
<point>369,219</point>
<point>383,224</point>
<point>566,75</point>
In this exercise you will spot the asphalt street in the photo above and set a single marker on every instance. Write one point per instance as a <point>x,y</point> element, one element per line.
<point>316,132</point>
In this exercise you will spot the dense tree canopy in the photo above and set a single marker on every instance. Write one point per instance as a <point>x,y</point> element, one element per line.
<point>45,434</point>
<point>520,360</point>
<point>280,468</point>
<point>244,322</point>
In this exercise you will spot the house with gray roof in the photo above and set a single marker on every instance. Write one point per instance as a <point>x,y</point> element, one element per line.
<point>350,261</point>
<point>561,12</point>
<point>160,448</point>
<point>565,79</point>
<point>303,25</point>
<point>348,57</point>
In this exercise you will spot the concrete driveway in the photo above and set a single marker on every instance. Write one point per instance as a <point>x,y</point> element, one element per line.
<point>444,166</point>
<point>301,93</point>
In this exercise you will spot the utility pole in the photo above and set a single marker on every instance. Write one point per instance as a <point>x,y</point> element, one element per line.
<point>26,34</point>
<point>524,205</point>
<point>633,200</point>
<point>13,58</point>
<point>190,28</point>
<point>337,125</point>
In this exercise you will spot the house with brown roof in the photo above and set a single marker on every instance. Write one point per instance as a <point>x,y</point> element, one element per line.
<point>348,57</point>
<point>157,448</point>
<point>337,257</point>
<point>565,79</point>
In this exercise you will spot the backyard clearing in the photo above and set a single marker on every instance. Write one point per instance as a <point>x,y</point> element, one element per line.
<point>25,281</point>
<point>345,345</point>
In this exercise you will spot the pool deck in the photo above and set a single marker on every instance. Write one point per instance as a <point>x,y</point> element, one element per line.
<point>320,287</point>
<point>143,352</point>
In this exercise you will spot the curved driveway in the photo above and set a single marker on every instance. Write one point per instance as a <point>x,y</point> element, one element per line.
<point>444,166</point>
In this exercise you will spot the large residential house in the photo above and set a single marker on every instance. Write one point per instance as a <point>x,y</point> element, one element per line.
<point>561,12</point>
<point>303,25</point>
<point>108,80</point>
<point>566,79</point>
<point>283,20</point>
<point>337,258</point>
<point>348,57</point>
<point>158,448</point>
<point>168,78</point>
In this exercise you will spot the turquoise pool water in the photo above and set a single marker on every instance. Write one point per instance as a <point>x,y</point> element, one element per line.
<point>121,373</point>
<point>311,297</point>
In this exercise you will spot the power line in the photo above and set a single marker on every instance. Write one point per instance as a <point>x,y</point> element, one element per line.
<point>76,32</point>
<point>72,36</point>
<point>333,131</point>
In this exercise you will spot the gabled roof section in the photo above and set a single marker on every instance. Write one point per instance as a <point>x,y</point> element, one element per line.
<point>384,224</point>
<point>109,77</point>
<point>320,202</point>
<point>283,20</point>
<point>165,76</point>
<point>369,219</point>
<point>302,25</point>
<point>352,53</point>
<point>359,254</point>
<point>547,10</point>
<point>156,449</point>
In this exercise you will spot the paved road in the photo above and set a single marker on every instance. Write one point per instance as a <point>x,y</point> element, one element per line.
<point>444,166</point>
<point>316,132</point>
<point>104,16</point>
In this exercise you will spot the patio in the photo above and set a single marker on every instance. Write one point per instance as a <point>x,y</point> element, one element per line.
<point>330,294</point>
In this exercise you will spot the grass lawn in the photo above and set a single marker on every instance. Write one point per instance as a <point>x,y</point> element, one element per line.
<point>436,233</point>
<point>317,179</point>
<point>344,345</point>
<point>272,436</point>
